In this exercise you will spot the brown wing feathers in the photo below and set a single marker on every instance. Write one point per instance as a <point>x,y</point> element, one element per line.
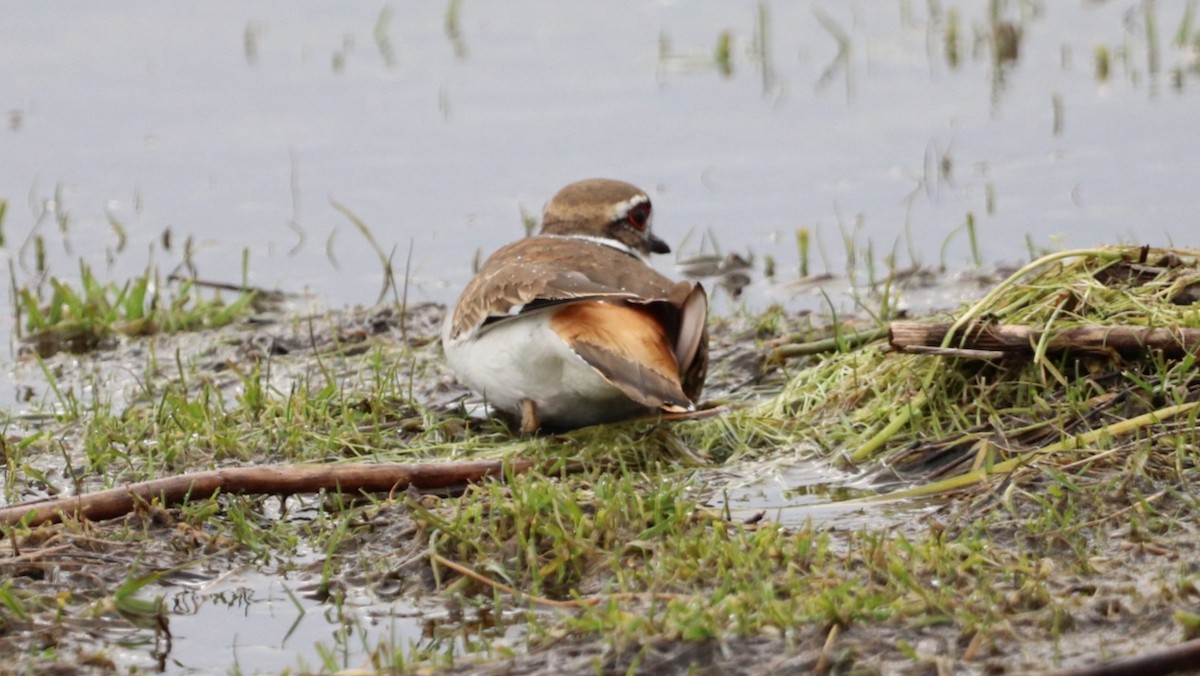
<point>552,270</point>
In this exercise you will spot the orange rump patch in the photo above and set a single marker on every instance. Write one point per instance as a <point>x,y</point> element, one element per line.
<point>628,345</point>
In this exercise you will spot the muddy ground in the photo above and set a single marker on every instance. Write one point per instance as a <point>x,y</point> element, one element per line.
<point>1144,570</point>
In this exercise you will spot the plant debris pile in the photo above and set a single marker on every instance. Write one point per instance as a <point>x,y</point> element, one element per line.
<point>949,422</point>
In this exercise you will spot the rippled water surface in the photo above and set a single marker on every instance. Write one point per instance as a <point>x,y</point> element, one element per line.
<point>141,133</point>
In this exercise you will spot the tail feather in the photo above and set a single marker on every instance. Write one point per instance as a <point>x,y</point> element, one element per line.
<point>693,320</point>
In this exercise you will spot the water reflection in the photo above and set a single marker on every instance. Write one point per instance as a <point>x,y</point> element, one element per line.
<point>263,622</point>
<point>749,136</point>
<point>798,489</point>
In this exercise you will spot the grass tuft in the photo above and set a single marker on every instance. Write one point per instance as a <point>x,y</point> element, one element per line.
<point>82,318</point>
<point>1066,495</point>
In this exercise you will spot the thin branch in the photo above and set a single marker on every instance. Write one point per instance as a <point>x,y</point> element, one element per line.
<point>848,340</point>
<point>1182,657</point>
<point>272,480</point>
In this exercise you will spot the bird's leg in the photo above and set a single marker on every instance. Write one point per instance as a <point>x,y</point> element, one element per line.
<point>529,417</point>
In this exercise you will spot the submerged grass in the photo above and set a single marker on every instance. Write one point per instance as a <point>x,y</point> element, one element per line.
<point>1075,483</point>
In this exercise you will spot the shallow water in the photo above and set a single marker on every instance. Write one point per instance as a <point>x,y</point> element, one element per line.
<point>244,129</point>
<point>262,623</point>
<point>801,489</point>
<point>240,128</point>
<point>138,135</point>
<point>254,620</point>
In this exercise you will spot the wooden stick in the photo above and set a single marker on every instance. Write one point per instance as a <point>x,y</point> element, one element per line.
<point>959,352</point>
<point>271,480</point>
<point>1172,659</point>
<point>1015,339</point>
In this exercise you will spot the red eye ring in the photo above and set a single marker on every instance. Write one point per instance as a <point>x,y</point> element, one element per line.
<point>639,216</point>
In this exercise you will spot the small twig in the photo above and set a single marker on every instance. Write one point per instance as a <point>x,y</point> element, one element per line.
<point>226,286</point>
<point>902,417</point>
<point>1078,442</point>
<point>1177,658</point>
<point>496,584</point>
<point>960,352</point>
<point>823,661</point>
<point>585,602</point>
<point>849,339</point>
<point>34,555</point>
<point>989,300</point>
<point>1096,522</point>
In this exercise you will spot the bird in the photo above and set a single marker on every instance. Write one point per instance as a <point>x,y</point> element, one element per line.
<point>571,327</point>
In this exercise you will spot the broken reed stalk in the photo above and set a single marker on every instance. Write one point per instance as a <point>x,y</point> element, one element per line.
<point>989,300</point>
<point>579,602</point>
<point>848,340</point>
<point>971,478</point>
<point>898,421</point>
<point>1181,657</point>
<point>440,560</point>
<point>1016,339</point>
<point>351,478</point>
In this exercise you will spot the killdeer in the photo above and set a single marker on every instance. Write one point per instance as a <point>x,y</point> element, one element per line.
<point>571,327</point>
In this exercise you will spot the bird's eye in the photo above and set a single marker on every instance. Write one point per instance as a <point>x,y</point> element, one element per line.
<point>639,216</point>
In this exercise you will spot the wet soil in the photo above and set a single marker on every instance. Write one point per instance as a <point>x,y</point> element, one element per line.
<point>1141,576</point>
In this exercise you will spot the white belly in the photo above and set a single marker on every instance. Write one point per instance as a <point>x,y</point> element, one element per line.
<point>524,359</point>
